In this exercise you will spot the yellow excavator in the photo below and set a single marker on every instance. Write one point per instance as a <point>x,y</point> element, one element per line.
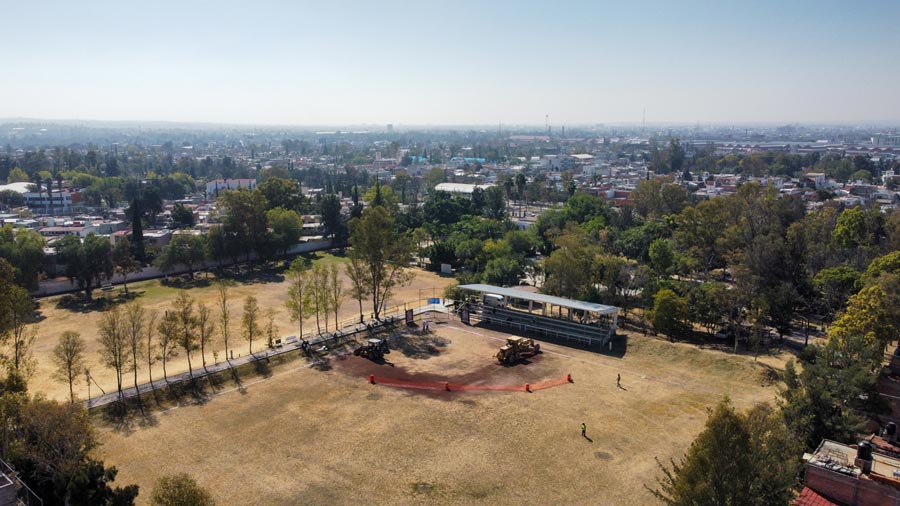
<point>517,348</point>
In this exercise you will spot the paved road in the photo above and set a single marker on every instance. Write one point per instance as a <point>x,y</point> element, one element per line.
<point>289,344</point>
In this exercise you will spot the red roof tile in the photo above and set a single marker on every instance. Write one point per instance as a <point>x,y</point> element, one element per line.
<point>809,497</point>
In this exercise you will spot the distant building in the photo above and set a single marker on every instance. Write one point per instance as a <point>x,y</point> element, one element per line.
<point>62,201</point>
<point>460,188</point>
<point>886,141</point>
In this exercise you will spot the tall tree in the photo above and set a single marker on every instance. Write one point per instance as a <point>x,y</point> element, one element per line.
<point>384,253</point>
<point>245,223</point>
<point>287,227</point>
<point>355,270</point>
<point>167,335</point>
<point>669,313</point>
<point>222,287</point>
<point>86,263</point>
<point>250,320</point>
<point>204,330</point>
<point>738,460</point>
<point>68,357</point>
<point>114,346</point>
<point>335,290</point>
<point>271,328</point>
<point>150,344</point>
<point>136,215</point>
<point>187,325</point>
<point>298,298</point>
<point>184,249</point>
<point>330,209</point>
<point>135,319</point>
<point>124,261</point>
<point>16,313</point>
<point>318,280</point>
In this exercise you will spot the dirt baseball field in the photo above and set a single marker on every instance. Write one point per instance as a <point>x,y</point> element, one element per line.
<point>324,435</point>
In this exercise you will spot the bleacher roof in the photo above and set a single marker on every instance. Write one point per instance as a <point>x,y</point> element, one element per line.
<point>544,299</point>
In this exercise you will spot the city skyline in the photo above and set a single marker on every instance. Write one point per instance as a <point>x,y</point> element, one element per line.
<point>275,63</point>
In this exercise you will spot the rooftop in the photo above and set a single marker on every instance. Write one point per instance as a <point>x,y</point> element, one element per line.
<point>809,497</point>
<point>840,458</point>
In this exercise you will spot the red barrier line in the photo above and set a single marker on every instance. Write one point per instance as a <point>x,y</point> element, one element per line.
<point>430,385</point>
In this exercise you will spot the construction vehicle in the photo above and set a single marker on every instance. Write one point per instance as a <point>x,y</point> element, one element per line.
<point>373,349</point>
<point>517,348</point>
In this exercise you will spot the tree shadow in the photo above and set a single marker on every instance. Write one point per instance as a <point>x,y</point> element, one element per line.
<point>126,417</point>
<point>79,303</point>
<point>254,273</point>
<point>236,378</point>
<point>322,364</point>
<point>262,366</point>
<point>418,346</point>
<point>186,282</point>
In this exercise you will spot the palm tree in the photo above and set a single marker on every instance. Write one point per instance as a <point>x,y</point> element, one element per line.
<point>508,185</point>
<point>39,182</point>
<point>50,193</point>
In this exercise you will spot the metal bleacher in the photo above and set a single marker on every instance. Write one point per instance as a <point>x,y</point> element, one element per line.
<point>555,328</point>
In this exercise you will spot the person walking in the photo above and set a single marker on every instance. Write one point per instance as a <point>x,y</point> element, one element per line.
<point>619,380</point>
<point>583,429</point>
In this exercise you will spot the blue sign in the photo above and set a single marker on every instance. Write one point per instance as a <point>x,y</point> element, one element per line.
<point>434,301</point>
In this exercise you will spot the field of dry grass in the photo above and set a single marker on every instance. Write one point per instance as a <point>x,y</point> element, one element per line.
<point>323,435</point>
<point>270,289</point>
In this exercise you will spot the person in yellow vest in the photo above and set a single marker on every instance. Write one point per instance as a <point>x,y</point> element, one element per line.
<point>583,429</point>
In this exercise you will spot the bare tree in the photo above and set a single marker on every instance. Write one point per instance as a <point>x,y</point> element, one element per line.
<point>114,345</point>
<point>18,312</point>
<point>68,356</point>
<point>317,281</point>
<point>271,328</point>
<point>134,330</point>
<point>149,345</point>
<point>187,326</point>
<point>222,287</point>
<point>168,339</point>
<point>356,272</point>
<point>204,329</point>
<point>297,301</point>
<point>335,291</point>
<point>250,320</point>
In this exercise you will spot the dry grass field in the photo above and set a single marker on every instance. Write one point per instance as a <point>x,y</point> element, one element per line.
<point>323,435</point>
<point>270,289</point>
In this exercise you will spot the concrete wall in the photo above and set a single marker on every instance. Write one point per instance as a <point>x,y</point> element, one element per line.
<point>59,286</point>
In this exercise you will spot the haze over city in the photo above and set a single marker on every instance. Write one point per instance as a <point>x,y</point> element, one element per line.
<point>453,63</point>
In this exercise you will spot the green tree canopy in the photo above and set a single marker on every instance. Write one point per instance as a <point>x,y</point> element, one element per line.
<point>88,262</point>
<point>740,459</point>
<point>179,490</point>
<point>383,254</point>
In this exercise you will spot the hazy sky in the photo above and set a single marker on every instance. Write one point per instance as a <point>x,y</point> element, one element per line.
<point>451,62</point>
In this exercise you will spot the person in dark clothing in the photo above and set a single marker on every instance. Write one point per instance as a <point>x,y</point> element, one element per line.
<point>618,380</point>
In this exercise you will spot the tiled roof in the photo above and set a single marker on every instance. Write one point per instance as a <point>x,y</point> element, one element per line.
<point>809,497</point>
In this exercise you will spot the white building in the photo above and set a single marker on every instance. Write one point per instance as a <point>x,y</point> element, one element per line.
<point>886,141</point>
<point>460,188</point>
<point>61,201</point>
